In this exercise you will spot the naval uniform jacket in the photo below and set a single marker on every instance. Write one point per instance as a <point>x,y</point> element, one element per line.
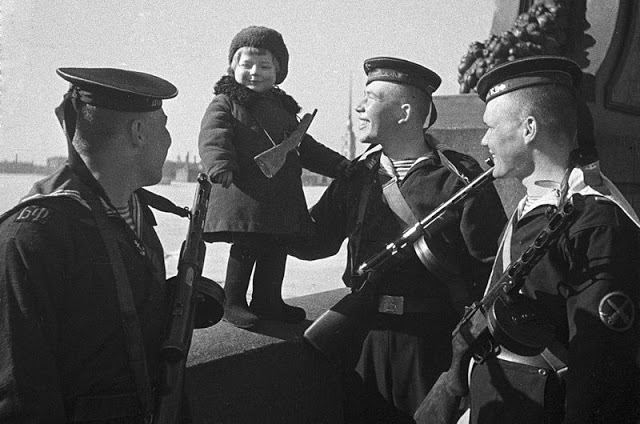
<point>239,124</point>
<point>469,243</point>
<point>427,185</point>
<point>61,334</point>
<point>587,284</point>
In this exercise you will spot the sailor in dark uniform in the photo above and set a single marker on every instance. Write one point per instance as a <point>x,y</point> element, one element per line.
<point>587,284</point>
<point>83,305</point>
<point>407,343</point>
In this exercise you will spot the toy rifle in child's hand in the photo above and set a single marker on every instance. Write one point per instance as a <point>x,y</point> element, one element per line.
<point>502,317</point>
<point>270,161</point>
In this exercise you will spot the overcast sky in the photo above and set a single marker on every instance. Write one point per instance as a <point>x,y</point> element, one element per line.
<point>187,43</point>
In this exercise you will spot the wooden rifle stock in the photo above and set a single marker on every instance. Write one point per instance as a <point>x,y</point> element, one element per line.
<point>175,347</point>
<point>270,161</point>
<point>343,321</point>
<point>473,336</point>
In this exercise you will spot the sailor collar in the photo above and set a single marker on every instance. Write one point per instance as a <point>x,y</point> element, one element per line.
<point>577,184</point>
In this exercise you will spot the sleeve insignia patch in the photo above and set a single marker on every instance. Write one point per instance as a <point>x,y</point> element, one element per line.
<point>617,311</point>
<point>34,213</point>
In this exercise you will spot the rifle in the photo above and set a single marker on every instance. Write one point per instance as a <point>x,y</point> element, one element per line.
<point>343,321</point>
<point>270,161</point>
<point>503,316</point>
<point>187,295</point>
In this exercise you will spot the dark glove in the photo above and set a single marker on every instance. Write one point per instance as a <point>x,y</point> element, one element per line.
<point>346,168</point>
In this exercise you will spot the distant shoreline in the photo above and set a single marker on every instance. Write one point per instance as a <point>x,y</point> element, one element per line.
<point>309,179</point>
<point>24,168</point>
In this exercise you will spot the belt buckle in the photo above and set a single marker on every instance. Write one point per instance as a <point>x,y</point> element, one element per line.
<point>391,305</point>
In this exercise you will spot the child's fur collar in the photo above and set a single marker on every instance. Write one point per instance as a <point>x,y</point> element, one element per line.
<point>246,97</point>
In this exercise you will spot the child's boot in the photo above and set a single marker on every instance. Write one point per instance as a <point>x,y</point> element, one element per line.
<point>267,303</point>
<point>239,267</point>
<point>236,310</point>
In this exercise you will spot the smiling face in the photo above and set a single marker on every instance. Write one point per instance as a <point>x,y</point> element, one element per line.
<point>255,69</point>
<point>505,138</point>
<point>378,112</point>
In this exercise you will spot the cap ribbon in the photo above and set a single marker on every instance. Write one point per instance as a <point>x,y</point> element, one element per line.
<point>392,75</point>
<point>529,80</point>
<point>115,100</point>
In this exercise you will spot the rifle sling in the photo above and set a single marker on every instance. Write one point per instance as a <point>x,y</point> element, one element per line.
<point>130,323</point>
<point>555,355</point>
<point>67,116</point>
<point>506,248</point>
<point>161,203</point>
<point>362,208</point>
<point>398,204</point>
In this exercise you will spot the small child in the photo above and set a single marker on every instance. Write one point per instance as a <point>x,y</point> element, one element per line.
<point>248,115</point>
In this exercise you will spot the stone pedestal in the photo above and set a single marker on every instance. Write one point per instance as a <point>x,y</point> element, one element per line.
<point>266,375</point>
<point>606,44</point>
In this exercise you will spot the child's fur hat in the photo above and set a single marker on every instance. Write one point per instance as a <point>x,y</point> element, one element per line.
<point>266,38</point>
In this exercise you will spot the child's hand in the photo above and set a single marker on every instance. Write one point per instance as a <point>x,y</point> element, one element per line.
<point>225,178</point>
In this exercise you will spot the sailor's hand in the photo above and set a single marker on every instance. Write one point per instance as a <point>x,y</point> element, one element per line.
<point>346,168</point>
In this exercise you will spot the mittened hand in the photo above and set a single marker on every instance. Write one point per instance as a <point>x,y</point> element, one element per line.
<point>225,178</point>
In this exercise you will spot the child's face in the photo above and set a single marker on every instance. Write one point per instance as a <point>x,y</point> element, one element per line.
<point>256,71</point>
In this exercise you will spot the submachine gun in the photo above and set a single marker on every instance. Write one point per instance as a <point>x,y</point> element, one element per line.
<point>342,322</point>
<point>503,317</point>
<point>196,302</point>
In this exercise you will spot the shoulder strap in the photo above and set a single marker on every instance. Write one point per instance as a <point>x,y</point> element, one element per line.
<point>161,203</point>
<point>452,167</point>
<point>441,148</point>
<point>443,270</point>
<point>362,208</point>
<point>130,322</point>
<point>398,203</point>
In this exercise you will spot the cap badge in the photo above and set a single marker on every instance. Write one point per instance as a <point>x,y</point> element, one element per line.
<point>617,311</point>
<point>496,89</point>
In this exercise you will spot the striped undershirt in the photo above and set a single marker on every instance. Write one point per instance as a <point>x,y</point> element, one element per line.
<point>130,213</point>
<point>399,168</point>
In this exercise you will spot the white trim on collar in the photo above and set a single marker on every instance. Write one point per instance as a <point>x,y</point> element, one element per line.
<point>369,152</point>
<point>577,185</point>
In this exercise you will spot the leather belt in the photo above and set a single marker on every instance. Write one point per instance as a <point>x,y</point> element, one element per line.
<point>536,361</point>
<point>545,361</point>
<point>400,305</point>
